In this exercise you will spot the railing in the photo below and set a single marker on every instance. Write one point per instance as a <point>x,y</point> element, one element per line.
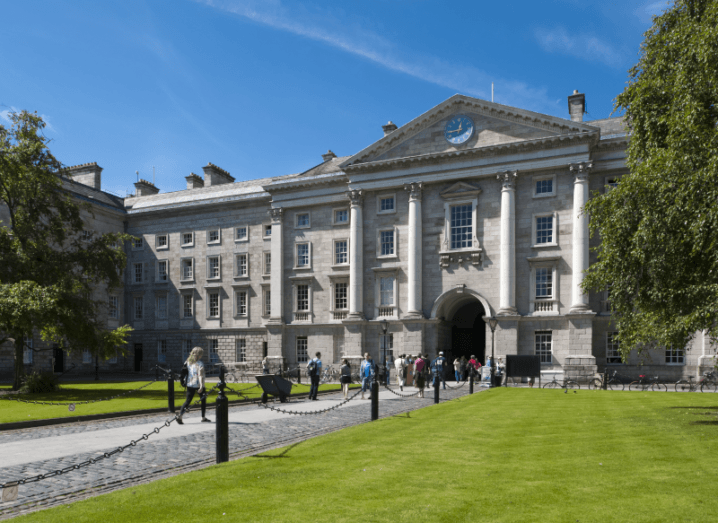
<point>386,312</point>
<point>302,316</point>
<point>543,306</point>
<point>339,315</point>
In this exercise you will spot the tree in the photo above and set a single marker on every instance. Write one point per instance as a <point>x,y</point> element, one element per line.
<point>48,274</point>
<point>659,228</point>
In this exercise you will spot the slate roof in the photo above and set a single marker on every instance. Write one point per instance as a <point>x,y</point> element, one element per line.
<point>90,194</point>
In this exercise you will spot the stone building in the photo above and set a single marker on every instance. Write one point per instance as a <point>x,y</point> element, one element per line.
<point>471,209</point>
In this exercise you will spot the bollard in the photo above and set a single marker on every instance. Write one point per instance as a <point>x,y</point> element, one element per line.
<point>299,376</point>
<point>471,382</point>
<point>170,393</point>
<point>374,400</point>
<point>222,421</point>
<point>437,382</point>
<point>157,372</point>
<point>604,385</point>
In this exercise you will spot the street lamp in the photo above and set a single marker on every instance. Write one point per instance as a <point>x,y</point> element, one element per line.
<point>384,327</point>
<point>493,322</point>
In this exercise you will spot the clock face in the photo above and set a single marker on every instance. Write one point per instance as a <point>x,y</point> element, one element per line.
<point>459,129</point>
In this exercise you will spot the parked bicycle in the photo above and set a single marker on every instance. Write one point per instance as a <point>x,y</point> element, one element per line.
<point>644,383</point>
<point>615,381</point>
<point>707,383</point>
<point>329,373</point>
<point>566,384</point>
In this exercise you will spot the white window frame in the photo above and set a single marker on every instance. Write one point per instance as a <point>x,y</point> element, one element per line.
<point>296,256</point>
<point>243,239</point>
<point>164,247</point>
<point>554,230</point>
<point>238,265</point>
<point>237,293</point>
<point>267,231</point>
<point>266,301</point>
<point>183,297</point>
<point>302,349</point>
<point>612,349</point>
<point>135,301</point>
<point>27,351</point>
<point>161,351</point>
<point>446,244</point>
<point>544,306</point>
<point>218,241</point>
<point>382,197</point>
<point>336,263</point>
<point>395,231</point>
<point>240,350</point>
<point>674,354</point>
<point>158,310</point>
<point>182,239</point>
<point>183,278</point>
<point>536,179</point>
<point>451,227</point>
<point>219,267</point>
<point>138,244</point>
<point>266,267</point>
<point>213,350</point>
<point>141,266</point>
<point>158,278</point>
<point>211,292</point>
<point>335,313</point>
<point>305,315</point>
<point>537,352</point>
<point>380,310</point>
<point>113,307</point>
<point>334,216</point>
<point>308,225</point>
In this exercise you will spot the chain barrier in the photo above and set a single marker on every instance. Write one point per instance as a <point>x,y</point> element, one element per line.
<point>299,413</point>
<point>65,403</point>
<point>457,387</point>
<point>400,395</point>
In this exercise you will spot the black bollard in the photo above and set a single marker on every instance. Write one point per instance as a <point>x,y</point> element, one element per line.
<point>299,376</point>
<point>374,400</point>
<point>437,383</point>
<point>471,382</point>
<point>222,421</point>
<point>170,393</point>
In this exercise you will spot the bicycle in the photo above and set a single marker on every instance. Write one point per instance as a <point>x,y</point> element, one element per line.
<point>567,384</point>
<point>615,382</point>
<point>644,383</point>
<point>706,384</point>
<point>328,374</point>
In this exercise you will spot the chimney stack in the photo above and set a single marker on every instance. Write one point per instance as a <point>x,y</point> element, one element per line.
<point>328,155</point>
<point>389,128</point>
<point>194,181</point>
<point>214,175</point>
<point>89,174</point>
<point>576,106</point>
<point>145,188</point>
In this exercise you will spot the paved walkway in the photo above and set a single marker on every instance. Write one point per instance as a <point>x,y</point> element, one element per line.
<point>175,449</point>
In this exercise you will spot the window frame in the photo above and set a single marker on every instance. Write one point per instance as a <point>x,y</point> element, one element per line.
<point>214,291</point>
<point>266,263</point>
<point>138,243</point>
<point>537,352</point>
<point>237,265</point>
<point>162,352</point>
<point>167,271</point>
<point>141,301</point>
<point>244,239</point>
<point>612,349</point>
<point>334,216</point>
<point>240,350</point>
<point>218,277</point>
<point>454,202</point>
<point>303,355</point>
<point>135,266</point>
<point>336,263</point>
<point>267,231</point>
<point>218,241</point>
<point>184,244</point>
<point>183,309</point>
<point>213,350</point>
<point>385,196</point>
<point>158,297</point>
<point>541,178</point>
<point>395,232</point>
<point>237,293</point>
<point>296,255</point>
<point>113,307</point>
<point>186,348</point>
<point>451,226</point>
<point>677,354</point>
<point>164,247</point>
<point>183,279</point>
<point>297,215</point>
<point>309,311</point>
<point>378,276</point>
<point>550,305</point>
<point>266,301</point>
<point>554,230</point>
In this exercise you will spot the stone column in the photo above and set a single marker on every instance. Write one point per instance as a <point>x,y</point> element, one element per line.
<point>276,315</point>
<point>579,299</point>
<point>507,267</point>
<point>356,254</point>
<point>415,254</point>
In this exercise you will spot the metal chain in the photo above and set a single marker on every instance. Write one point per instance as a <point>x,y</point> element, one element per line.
<point>400,395</point>
<point>457,387</point>
<point>9,398</point>
<point>298,413</point>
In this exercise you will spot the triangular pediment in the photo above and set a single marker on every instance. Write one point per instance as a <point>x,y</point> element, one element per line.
<point>495,125</point>
<point>460,190</point>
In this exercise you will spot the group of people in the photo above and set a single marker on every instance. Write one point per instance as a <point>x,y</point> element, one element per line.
<point>463,367</point>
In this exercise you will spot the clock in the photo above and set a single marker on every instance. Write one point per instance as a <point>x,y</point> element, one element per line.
<point>459,129</point>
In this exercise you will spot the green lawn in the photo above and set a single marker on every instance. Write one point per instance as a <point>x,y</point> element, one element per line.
<point>154,396</point>
<point>502,455</point>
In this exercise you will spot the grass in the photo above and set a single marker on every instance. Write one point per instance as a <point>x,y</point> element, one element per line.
<point>504,455</point>
<point>152,397</point>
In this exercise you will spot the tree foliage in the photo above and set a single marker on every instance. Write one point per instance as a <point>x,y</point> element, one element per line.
<point>51,280</point>
<point>659,227</point>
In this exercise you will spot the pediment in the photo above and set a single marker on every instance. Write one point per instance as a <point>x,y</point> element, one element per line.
<point>460,190</point>
<point>496,125</point>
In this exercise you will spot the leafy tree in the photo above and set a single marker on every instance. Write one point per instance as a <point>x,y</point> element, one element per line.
<point>659,227</point>
<point>48,273</point>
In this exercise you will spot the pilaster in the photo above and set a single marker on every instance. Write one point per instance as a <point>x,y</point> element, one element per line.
<point>276,277</point>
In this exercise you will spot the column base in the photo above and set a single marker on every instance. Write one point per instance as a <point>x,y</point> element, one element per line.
<point>413,315</point>
<point>275,321</point>
<point>580,308</point>
<point>507,311</point>
<point>355,316</point>
<point>580,366</point>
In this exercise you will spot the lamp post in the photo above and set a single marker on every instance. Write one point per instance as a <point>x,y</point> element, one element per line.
<point>493,322</point>
<point>384,327</point>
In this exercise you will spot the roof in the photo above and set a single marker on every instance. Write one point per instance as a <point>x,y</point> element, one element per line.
<point>90,194</point>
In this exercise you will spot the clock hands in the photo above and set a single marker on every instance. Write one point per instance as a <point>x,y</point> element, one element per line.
<point>456,130</point>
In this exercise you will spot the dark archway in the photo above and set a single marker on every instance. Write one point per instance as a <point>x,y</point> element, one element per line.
<point>468,332</point>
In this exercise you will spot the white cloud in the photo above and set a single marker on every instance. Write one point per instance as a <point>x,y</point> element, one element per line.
<point>647,11</point>
<point>354,39</point>
<point>5,117</point>
<point>591,48</point>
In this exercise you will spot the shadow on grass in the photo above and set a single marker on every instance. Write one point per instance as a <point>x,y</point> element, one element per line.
<point>696,408</point>
<point>282,455</point>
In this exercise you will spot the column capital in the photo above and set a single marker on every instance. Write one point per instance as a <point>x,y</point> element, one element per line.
<point>356,197</point>
<point>276,214</point>
<point>508,179</point>
<point>414,189</point>
<point>581,171</point>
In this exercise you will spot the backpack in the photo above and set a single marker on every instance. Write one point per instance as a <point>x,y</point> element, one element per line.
<point>312,368</point>
<point>184,374</point>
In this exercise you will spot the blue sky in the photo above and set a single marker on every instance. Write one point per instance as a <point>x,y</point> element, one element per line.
<point>263,88</point>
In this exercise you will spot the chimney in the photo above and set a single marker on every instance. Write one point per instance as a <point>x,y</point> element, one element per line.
<point>89,174</point>
<point>576,106</point>
<point>194,181</point>
<point>328,155</point>
<point>214,175</point>
<point>145,188</point>
<point>389,128</point>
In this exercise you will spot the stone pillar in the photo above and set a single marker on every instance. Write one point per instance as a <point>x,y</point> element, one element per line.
<point>507,267</point>
<point>356,254</point>
<point>276,315</point>
<point>580,360</point>
<point>579,299</point>
<point>414,309</point>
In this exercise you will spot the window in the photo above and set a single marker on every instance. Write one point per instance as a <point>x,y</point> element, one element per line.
<point>86,357</point>
<point>675,356</point>
<point>544,186</point>
<point>27,350</point>
<point>341,216</point>
<point>213,304</point>
<point>543,346</point>
<point>543,229</point>
<point>303,297</point>
<point>242,267</point>
<point>113,307</point>
<point>544,285</point>
<point>186,349</point>
<point>138,272</point>
<point>386,204</point>
<point>138,244</point>
<point>266,302</point>
<point>461,226</point>
<point>612,182</point>
<point>267,231</point>
<point>386,243</point>
<point>303,256</point>
<point>213,350</point>
<point>86,236</point>
<point>341,295</point>
<point>241,234</point>
<point>302,349</point>
<point>213,236</point>
<point>187,239</point>
<point>241,300</point>
<point>544,282</point>
<point>613,356</point>
<point>187,306</point>
<point>267,263</point>
<point>187,269</point>
<point>386,290</point>
<point>162,307</point>
<point>162,351</point>
<point>213,268</point>
<point>241,350</point>
<point>302,220</point>
<point>162,270</point>
<point>112,359</point>
<point>138,307</point>
<point>162,241</point>
<point>341,252</point>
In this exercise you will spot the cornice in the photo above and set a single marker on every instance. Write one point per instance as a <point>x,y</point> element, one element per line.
<point>302,183</point>
<point>612,145</point>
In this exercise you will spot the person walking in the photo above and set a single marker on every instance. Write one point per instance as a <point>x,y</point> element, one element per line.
<point>346,376</point>
<point>265,365</point>
<point>366,371</point>
<point>314,369</point>
<point>399,365</point>
<point>457,370</point>
<point>419,377</point>
<point>195,383</point>
<point>438,366</point>
<point>474,366</point>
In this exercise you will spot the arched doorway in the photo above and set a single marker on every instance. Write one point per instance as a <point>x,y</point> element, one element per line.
<point>468,332</point>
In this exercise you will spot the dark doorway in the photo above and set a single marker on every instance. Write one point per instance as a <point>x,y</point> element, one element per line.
<point>138,357</point>
<point>468,333</point>
<point>58,359</point>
